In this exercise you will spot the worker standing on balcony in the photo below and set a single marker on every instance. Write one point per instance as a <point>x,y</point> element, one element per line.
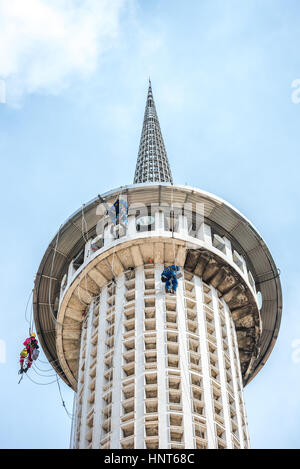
<point>169,277</point>
<point>118,212</point>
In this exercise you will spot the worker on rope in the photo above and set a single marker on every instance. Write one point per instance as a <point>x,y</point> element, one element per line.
<point>23,356</point>
<point>118,212</point>
<point>31,346</point>
<point>169,277</point>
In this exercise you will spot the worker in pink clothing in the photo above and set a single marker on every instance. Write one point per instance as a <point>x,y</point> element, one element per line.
<point>31,345</point>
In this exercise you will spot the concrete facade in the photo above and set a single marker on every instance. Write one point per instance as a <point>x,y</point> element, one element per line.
<point>159,370</point>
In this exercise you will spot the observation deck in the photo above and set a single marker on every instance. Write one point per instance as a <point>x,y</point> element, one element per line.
<point>199,231</point>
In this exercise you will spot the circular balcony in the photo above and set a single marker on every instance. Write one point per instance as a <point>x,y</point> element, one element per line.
<point>166,224</point>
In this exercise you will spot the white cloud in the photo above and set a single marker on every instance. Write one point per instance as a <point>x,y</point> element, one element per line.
<point>43,43</point>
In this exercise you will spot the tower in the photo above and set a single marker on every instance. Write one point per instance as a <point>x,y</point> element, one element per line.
<point>153,369</point>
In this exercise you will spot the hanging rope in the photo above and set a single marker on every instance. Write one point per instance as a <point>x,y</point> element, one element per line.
<point>50,283</point>
<point>40,384</point>
<point>269,279</point>
<point>31,319</point>
<point>63,402</point>
<point>84,227</point>
<point>43,371</point>
<point>30,295</point>
<point>114,251</point>
<point>84,233</point>
<point>39,374</point>
<point>56,322</point>
<point>70,415</point>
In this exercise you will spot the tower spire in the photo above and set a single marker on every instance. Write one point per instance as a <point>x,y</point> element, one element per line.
<point>152,163</point>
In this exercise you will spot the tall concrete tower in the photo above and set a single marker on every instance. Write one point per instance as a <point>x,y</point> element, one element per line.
<point>152,369</point>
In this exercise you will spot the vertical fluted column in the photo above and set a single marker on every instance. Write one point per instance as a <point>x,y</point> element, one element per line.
<point>239,381</point>
<point>101,348</point>
<point>117,366</point>
<point>161,362</point>
<point>210,427</point>
<point>83,429</point>
<point>139,359</point>
<point>80,387</point>
<point>184,368</point>
<point>234,372</point>
<point>222,370</point>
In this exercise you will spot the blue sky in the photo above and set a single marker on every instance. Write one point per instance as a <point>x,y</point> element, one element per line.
<point>76,76</point>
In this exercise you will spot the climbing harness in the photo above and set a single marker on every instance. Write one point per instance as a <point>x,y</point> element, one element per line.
<point>169,277</point>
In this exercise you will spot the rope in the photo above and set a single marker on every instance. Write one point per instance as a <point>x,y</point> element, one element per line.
<point>40,384</point>
<point>31,319</point>
<point>71,416</point>
<point>84,227</point>
<point>114,251</point>
<point>43,371</point>
<point>50,283</point>
<point>269,279</point>
<point>31,293</point>
<point>56,322</point>
<point>173,240</point>
<point>50,287</point>
<point>84,233</point>
<point>39,374</point>
<point>47,384</point>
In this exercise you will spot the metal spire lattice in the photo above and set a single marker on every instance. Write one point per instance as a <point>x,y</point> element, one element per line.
<point>152,163</point>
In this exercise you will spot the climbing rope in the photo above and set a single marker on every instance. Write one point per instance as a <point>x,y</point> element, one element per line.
<point>114,251</point>
<point>56,380</point>
<point>42,375</point>
<point>35,382</point>
<point>56,322</point>
<point>84,227</point>
<point>71,416</point>
<point>43,371</point>
<point>84,233</point>
<point>269,279</point>
<point>26,318</point>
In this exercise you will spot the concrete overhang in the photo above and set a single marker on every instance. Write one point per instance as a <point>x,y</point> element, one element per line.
<point>219,214</point>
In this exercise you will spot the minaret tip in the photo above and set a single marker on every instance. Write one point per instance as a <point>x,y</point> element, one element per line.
<point>152,164</point>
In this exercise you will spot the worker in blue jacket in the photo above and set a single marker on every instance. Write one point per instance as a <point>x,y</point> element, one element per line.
<point>118,212</point>
<point>169,277</point>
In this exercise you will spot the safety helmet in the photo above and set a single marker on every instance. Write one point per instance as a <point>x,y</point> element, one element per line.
<point>32,334</point>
